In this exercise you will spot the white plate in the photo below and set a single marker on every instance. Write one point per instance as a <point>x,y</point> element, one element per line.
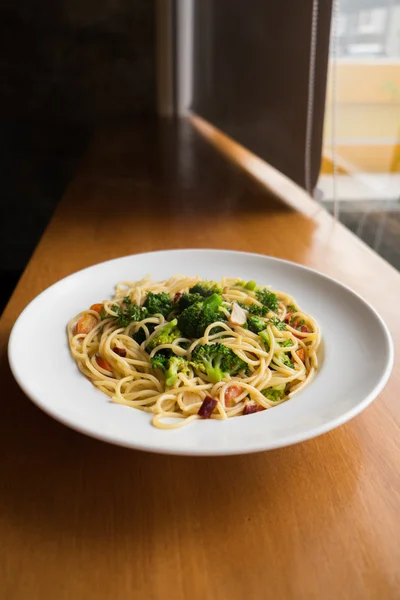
<point>356,356</point>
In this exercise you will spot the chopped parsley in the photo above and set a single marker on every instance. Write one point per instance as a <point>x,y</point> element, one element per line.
<point>296,323</point>
<point>278,324</point>
<point>267,298</point>
<point>259,311</point>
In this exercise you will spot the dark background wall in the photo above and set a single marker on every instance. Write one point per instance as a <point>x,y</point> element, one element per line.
<point>67,67</point>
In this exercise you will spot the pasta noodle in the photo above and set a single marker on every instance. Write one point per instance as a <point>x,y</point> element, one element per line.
<point>249,349</point>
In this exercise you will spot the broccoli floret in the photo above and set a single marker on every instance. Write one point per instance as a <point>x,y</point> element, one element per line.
<point>158,303</point>
<point>139,336</point>
<point>189,320</point>
<point>166,335</point>
<point>170,364</point>
<point>206,288</point>
<point>256,324</point>
<point>267,298</point>
<point>187,300</point>
<point>284,358</point>
<point>274,393</point>
<point>128,313</point>
<point>217,361</point>
<point>176,365</point>
<point>286,343</point>
<point>160,360</point>
<point>264,336</point>
<point>196,318</point>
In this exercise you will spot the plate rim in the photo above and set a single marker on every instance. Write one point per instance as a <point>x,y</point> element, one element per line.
<point>306,434</point>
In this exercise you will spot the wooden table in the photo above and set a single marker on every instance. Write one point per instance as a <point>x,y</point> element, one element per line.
<point>80,519</point>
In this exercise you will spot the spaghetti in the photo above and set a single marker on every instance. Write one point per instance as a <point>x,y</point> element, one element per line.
<point>187,349</point>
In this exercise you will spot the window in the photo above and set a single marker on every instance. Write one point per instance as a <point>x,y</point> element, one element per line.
<point>361,149</point>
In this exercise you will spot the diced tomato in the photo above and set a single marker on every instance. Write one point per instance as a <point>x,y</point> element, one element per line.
<point>119,351</point>
<point>231,393</point>
<point>301,354</point>
<point>207,407</point>
<point>103,364</point>
<point>250,408</point>
<point>301,328</point>
<point>96,307</point>
<point>85,323</point>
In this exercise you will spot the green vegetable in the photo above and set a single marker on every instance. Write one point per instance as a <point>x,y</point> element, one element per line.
<point>160,360</point>
<point>129,313</point>
<point>176,365</point>
<point>291,308</point>
<point>274,393</point>
<point>284,358</point>
<point>296,322</point>
<point>278,324</point>
<point>103,314</point>
<point>247,285</point>
<point>188,299</point>
<point>286,344</point>
<point>139,336</point>
<point>166,335</point>
<point>195,319</point>
<point>171,364</point>
<point>256,324</point>
<point>158,303</point>
<point>254,309</point>
<point>260,311</point>
<point>265,338</point>
<point>267,298</point>
<point>217,361</point>
<point>206,288</point>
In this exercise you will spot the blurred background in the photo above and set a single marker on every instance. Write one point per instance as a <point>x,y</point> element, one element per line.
<point>67,67</point>
<point>362,123</point>
<point>71,66</point>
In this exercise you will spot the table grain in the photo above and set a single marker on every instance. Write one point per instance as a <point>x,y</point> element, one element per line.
<point>81,519</point>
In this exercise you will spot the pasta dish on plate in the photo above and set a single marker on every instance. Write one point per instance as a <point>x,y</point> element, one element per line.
<point>186,349</point>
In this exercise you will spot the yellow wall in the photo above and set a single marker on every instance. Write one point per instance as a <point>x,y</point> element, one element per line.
<point>367,116</point>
